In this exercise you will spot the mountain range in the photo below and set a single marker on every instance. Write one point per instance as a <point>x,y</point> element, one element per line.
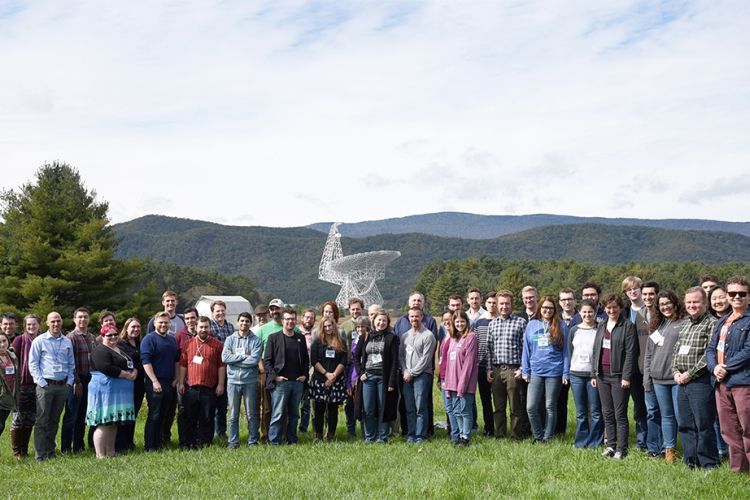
<point>474,226</point>
<point>284,261</point>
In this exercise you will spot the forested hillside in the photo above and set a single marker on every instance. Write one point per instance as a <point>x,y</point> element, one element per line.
<point>284,261</point>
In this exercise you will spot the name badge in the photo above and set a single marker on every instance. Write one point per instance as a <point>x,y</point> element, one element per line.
<point>330,353</point>
<point>656,337</point>
<point>684,349</point>
<point>376,358</point>
<point>198,360</point>
<point>542,341</point>
<point>130,365</point>
<point>10,370</point>
<point>607,344</point>
<point>240,351</point>
<point>57,367</point>
<point>460,343</point>
<point>355,336</point>
<point>584,358</point>
<point>452,356</point>
<point>720,346</point>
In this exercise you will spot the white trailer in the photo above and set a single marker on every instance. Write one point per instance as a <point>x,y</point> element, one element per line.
<point>235,305</point>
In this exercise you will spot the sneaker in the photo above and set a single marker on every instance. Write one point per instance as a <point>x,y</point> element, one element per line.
<point>233,446</point>
<point>609,452</point>
<point>619,455</point>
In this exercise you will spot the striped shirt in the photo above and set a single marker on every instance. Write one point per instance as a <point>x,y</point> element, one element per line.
<point>481,328</point>
<point>690,349</point>
<point>206,372</point>
<point>505,340</point>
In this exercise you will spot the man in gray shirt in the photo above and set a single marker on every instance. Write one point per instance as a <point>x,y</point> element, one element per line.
<point>417,352</point>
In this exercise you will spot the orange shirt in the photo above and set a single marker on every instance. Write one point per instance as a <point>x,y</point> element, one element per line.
<point>202,360</point>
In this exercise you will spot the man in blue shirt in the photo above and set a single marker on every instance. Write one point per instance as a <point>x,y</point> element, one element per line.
<point>52,365</point>
<point>160,358</point>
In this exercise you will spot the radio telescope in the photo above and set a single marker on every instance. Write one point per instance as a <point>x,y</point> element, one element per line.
<point>356,273</point>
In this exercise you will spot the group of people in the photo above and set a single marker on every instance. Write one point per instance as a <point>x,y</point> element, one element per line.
<point>683,360</point>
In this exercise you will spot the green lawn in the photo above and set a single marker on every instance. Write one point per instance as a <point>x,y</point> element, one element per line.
<point>349,468</point>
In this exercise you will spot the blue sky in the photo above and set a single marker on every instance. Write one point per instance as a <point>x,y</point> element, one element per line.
<point>287,113</point>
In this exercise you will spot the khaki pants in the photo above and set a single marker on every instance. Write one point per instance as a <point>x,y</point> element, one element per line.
<point>507,390</point>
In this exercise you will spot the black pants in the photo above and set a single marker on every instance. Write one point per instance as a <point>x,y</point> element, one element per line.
<point>485,395</point>
<point>638,396</point>
<point>562,410</point>
<point>615,410</point>
<point>200,407</point>
<point>169,414</point>
<point>319,416</point>
<point>124,440</point>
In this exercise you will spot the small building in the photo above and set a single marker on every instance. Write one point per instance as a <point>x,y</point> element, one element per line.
<point>235,305</point>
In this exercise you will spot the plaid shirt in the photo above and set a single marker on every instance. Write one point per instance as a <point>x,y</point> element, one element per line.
<point>694,336</point>
<point>83,344</point>
<point>222,332</point>
<point>505,341</point>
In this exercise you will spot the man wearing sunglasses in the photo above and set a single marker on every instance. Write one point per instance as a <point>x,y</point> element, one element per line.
<point>696,407</point>
<point>728,359</point>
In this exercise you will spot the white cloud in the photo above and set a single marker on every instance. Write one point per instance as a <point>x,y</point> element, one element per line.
<point>296,112</point>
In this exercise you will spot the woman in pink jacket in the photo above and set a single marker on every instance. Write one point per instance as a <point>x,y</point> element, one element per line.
<point>462,365</point>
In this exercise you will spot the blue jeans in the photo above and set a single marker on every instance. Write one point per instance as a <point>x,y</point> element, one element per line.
<point>285,397</point>
<point>372,401</point>
<point>666,396</point>
<point>237,394</point>
<point>696,412</point>
<point>416,395</point>
<point>654,422</point>
<point>586,397</point>
<point>463,413</point>
<point>448,403</point>
<point>543,390</point>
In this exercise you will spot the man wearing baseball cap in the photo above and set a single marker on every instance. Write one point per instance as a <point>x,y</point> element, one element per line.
<point>275,307</point>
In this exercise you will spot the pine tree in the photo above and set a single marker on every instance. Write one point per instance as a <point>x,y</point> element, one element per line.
<point>57,247</point>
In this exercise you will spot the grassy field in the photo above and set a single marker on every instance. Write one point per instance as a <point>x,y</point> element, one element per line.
<point>349,468</point>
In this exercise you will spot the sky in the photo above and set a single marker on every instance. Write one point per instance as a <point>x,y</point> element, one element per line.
<point>286,113</point>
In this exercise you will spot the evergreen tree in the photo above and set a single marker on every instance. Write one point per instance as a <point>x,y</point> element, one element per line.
<point>57,248</point>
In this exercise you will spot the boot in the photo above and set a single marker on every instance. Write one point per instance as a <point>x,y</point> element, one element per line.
<point>670,456</point>
<point>19,442</point>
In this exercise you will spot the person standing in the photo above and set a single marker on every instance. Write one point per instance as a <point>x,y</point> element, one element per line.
<point>182,338</point>
<point>728,360</point>
<point>529,296</point>
<point>376,359</point>
<point>52,365</point>
<point>504,351</point>
<point>9,325</point>
<point>612,368</point>
<point>222,329</point>
<point>201,366</point>
<point>74,420</point>
<point>545,366</point>
<point>9,381</point>
<point>589,423</point>
<point>646,438</point>
<point>306,328</point>
<point>160,358</point>
<point>356,310</point>
<point>481,328</point>
<point>243,356</point>
<point>475,310</point>
<point>417,355</point>
<point>110,399</point>
<point>130,345</point>
<point>24,415</point>
<point>462,366</point>
<point>658,376</point>
<point>696,404</point>
<point>264,405</point>
<point>287,369</point>
<point>328,357</point>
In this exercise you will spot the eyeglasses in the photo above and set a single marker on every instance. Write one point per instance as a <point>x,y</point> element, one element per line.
<point>734,294</point>
<point>567,299</point>
<point>547,308</point>
<point>110,335</point>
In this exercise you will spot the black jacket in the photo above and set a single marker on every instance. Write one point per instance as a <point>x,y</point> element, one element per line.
<point>389,410</point>
<point>274,358</point>
<point>624,353</point>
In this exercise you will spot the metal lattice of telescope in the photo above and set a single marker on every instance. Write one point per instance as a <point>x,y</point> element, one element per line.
<point>356,273</point>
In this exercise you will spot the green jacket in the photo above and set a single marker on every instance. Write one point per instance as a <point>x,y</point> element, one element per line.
<point>8,399</point>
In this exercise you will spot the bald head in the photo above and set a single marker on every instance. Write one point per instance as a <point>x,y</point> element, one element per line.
<point>54,323</point>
